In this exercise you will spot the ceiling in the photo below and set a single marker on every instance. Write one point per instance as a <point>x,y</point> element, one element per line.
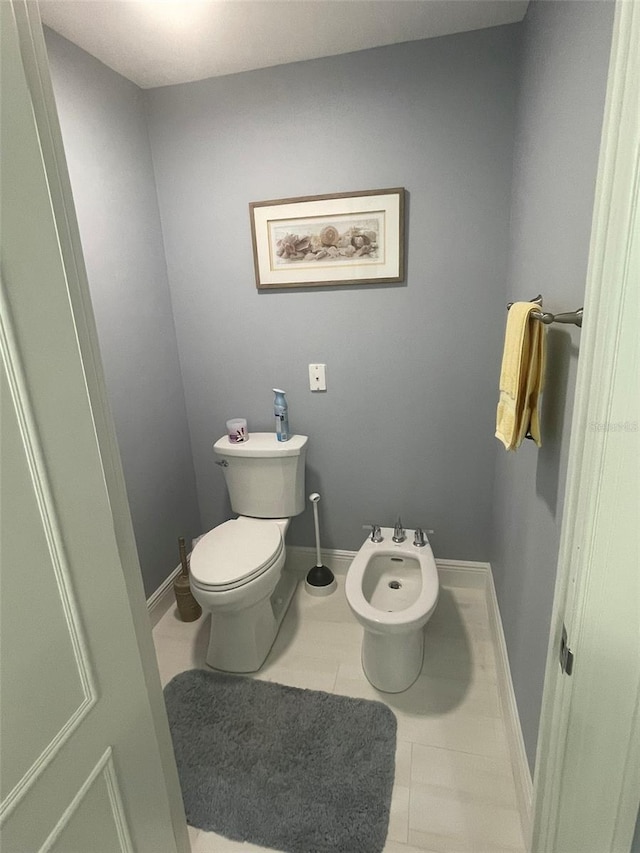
<point>162,42</point>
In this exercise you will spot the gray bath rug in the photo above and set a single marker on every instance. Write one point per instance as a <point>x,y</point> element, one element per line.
<point>301,771</point>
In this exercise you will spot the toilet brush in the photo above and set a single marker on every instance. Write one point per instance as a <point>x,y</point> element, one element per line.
<point>320,579</point>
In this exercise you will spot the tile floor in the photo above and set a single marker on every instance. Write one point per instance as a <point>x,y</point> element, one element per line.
<point>454,790</point>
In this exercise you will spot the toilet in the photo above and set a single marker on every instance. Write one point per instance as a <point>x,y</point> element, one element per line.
<point>392,590</point>
<point>236,569</point>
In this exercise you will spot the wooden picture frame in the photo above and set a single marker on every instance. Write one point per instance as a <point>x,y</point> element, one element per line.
<point>323,240</point>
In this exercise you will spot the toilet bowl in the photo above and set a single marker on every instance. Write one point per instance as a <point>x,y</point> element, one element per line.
<point>392,590</point>
<point>237,575</point>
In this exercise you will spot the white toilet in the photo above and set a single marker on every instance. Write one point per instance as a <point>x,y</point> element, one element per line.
<point>236,568</point>
<point>392,589</point>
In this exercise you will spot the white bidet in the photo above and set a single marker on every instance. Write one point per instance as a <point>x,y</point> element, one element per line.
<point>392,590</point>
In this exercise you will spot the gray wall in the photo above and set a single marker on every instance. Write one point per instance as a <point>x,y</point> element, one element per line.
<point>565,52</point>
<point>107,149</point>
<point>407,423</point>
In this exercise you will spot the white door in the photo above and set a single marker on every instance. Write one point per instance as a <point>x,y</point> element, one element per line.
<point>87,765</point>
<point>588,763</point>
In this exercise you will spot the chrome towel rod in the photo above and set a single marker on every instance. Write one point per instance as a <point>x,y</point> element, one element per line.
<point>574,317</point>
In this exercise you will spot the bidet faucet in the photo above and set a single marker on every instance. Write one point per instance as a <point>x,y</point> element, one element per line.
<point>419,540</point>
<point>376,533</point>
<point>398,532</point>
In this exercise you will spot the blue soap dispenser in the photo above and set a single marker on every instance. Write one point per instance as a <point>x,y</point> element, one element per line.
<point>281,411</point>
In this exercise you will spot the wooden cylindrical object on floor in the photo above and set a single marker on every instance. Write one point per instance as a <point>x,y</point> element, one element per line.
<point>188,607</point>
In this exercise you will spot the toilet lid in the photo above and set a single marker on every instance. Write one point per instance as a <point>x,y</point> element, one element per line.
<point>235,552</point>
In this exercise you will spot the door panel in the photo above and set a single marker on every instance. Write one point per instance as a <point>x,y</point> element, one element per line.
<point>39,623</point>
<point>86,756</point>
<point>97,803</point>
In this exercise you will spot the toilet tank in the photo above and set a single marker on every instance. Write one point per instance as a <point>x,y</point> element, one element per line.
<point>264,476</point>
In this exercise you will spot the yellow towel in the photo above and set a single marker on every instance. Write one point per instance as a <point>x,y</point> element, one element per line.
<point>521,377</point>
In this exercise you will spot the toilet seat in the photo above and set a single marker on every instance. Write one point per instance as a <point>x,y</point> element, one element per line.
<point>235,553</point>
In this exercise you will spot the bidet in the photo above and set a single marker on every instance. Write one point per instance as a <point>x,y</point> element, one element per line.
<point>392,589</point>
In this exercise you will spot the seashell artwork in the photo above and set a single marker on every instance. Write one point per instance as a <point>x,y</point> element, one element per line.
<point>338,241</point>
<point>344,238</point>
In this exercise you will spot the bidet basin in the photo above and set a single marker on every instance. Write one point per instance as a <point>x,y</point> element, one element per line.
<point>392,582</point>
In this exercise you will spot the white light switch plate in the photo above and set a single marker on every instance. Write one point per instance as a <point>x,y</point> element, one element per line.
<point>317,377</point>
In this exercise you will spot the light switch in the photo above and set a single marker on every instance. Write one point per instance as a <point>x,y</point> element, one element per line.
<point>317,377</point>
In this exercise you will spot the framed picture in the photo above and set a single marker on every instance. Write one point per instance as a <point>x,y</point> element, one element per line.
<point>346,238</point>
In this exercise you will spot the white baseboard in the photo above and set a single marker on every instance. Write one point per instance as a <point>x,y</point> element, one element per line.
<point>451,572</point>
<point>300,559</point>
<point>463,573</point>
<point>161,600</point>
<point>519,763</point>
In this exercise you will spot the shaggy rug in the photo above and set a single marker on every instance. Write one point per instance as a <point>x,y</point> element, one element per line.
<point>301,771</point>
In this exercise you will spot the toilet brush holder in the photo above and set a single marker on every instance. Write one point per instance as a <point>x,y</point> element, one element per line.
<point>320,579</point>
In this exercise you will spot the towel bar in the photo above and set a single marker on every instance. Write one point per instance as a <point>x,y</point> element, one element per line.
<point>574,317</point>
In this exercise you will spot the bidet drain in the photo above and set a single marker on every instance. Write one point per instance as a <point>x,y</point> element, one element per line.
<point>395,584</point>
